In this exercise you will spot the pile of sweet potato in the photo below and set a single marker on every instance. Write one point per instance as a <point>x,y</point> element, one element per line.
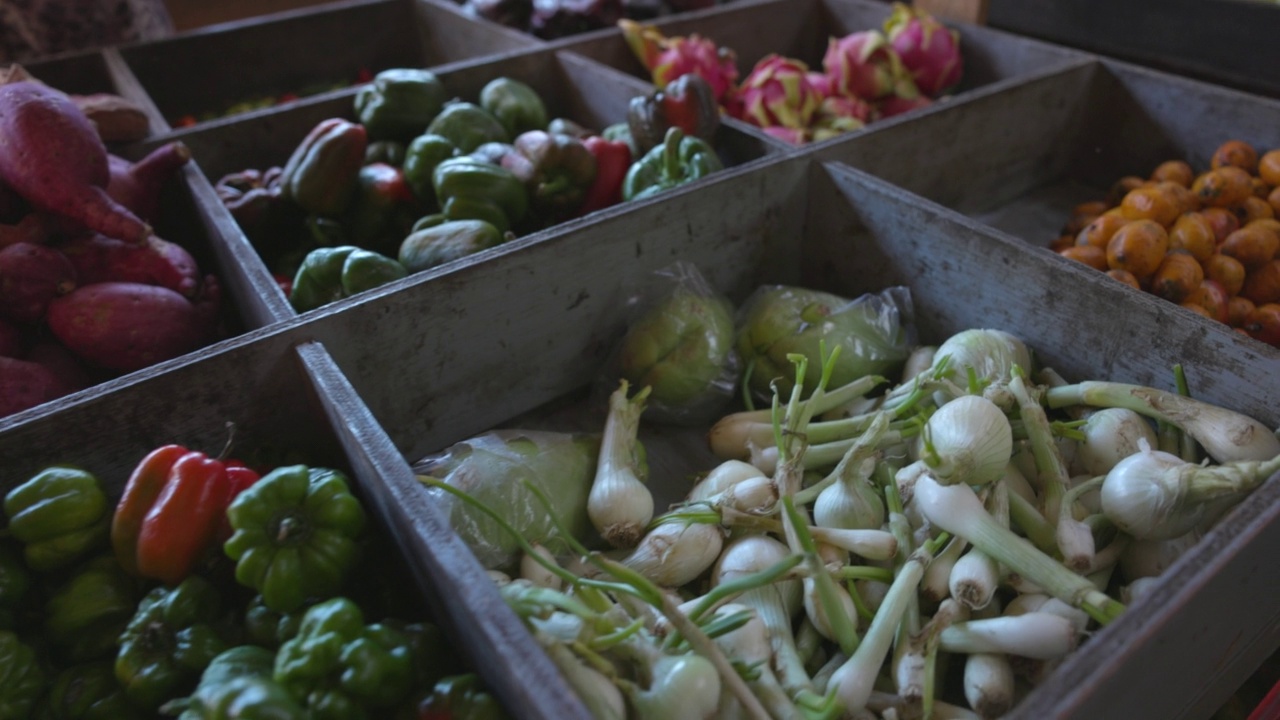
<point>87,290</point>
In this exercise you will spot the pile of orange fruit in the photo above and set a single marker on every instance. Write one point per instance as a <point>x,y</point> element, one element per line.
<point>1209,241</point>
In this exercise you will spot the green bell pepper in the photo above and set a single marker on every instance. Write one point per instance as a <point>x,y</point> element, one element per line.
<point>22,680</point>
<point>85,616</point>
<point>469,189</point>
<point>516,105</point>
<point>88,691</point>
<point>390,152</point>
<point>329,274</point>
<point>448,241</point>
<point>420,161</point>
<point>268,628</point>
<point>295,535</point>
<point>678,160</point>
<point>340,667</point>
<point>383,209</point>
<point>15,583</point>
<point>399,103</point>
<point>237,685</point>
<point>461,696</point>
<point>557,170</point>
<point>61,515</point>
<point>170,640</point>
<point>468,126</point>
<point>320,175</point>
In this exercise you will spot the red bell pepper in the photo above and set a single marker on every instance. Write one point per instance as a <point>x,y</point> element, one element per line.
<point>613,159</point>
<point>173,508</point>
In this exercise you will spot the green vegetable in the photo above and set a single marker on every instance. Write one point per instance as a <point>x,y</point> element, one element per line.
<point>268,628</point>
<point>557,170</point>
<point>461,696</point>
<point>238,685</point>
<point>678,160</point>
<point>341,668</point>
<point>679,348</point>
<point>448,241</point>
<point>399,103</point>
<point>493,467</point>
<point>85,616</point>
<point>88,692</point>
<point>390,152</point>
<point>420,161</point>
<point>320,175</point>
<point>782,320</point>
<point>468,126</point>
<point>295,535</point>
<point>329,274</point>
<point>383,209</point>
<point>516,105</point>
<point>61,515</point>
<point>469,189</point>
<point>169,642</point>
<point>22,680</point>
<point>15,583</point>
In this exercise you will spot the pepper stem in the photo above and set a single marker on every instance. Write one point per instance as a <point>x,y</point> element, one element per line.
<point>671,154</point>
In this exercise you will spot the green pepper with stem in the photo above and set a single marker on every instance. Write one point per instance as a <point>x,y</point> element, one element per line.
<point>420,161</point>
<point>400,103</point>
<point>470,189</point>
<point>557,170</point>
<point>516,105</point>
<point>341,668</point>
<point>296,535</point>
<point>237,685</point>
<point>678,160</point>
<point>88,691</point>
<point>330,274</point>
<point>170,641</point>
<point>85,615</point>
<point>468,126</point>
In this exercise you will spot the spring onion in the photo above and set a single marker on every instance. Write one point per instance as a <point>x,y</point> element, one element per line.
<point>968,440</point>
<point>1110,435</point>
<point>988,684</point>
<point>620,504</point>
<point>1037,635</point>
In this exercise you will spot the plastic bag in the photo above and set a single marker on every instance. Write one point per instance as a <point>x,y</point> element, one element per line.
<point>679,343</point>
<point>875,334</point>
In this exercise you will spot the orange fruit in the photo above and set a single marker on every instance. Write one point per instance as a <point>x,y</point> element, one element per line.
<point>1178,275</point>
<point>1269,167</point>
<point>1226,271</point>
<point>1252,245</point>
<point>1223,187</point>
<point>1223,221</point>
<point>1236,153</point>
<point>1254,208</point>
<point>1192,233</point>
<point>1125,277</point>
<point>1122,188</point>
<point>1099,232</point>
<point>1238,308</point>
<point>1091,255</point>
<point>1138,247</point>
<point>1174,171</point>
<point>1150,203</point>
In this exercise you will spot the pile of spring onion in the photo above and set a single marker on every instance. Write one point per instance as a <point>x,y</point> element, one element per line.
<point>933,549</point>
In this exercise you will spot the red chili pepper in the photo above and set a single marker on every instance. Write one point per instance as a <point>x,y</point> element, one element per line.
<point>140,492</point>
<point>613,159</point>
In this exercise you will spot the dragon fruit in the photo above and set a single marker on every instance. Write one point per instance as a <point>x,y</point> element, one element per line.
<point>793,136</point>
<point>928,49</point>
<point>778,93</point>
<point>822,83</point>
<point>840,114</point>
<point>669,58</point>
<point>865,65</point>
<point>895,105</point>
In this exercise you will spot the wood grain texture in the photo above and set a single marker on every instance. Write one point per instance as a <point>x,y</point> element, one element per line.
<point>969,11</point>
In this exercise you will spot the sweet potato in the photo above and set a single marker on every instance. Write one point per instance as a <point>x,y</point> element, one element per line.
<point>11,340</point>
<point>127,326</point>
<point>51,155</point>
<point>98,258</point>
<point>33,228</point>
<point>137,186</point>
<point>69,372</point>
<point>25,385</point>
<point>12,206</point>
<point>30,277</point>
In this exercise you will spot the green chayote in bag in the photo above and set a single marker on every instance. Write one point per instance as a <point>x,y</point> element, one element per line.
<point>874,334</point>
<point>682,348</point>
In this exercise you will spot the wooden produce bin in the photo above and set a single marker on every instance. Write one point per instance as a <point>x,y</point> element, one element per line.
<point>478,344</point>
<point>801,29</point>
<point>325,48</point>
<point>288,400</point>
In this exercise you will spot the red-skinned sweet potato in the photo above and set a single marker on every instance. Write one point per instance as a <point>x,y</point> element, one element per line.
<point>25,385</point>
<point>127,326</point>
<point>98,258</point>
<point>11,340</point>
<point>32,228</point>
<point>137,186</point>
<point>66,368</point>
<point>30,277</point>
<point>51,155</point>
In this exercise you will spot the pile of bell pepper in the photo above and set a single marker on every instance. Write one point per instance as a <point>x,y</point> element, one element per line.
<point>215,590</point>
<point>413,179</point>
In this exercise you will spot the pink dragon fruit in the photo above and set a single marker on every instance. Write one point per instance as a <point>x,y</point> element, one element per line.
<point>793,136</point>
<point>669,58</point>
<point>894,105</point>
<point>778,93</point>
<point>841,114</point>
<point>864,65</point>
<point>929,50</point>
<point>822,83</point>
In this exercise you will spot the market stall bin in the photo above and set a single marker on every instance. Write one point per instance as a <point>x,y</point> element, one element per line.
<point>202,75</point>
<point>1029,155</point>
<point>289,404</point>
<point>515,339</point>
<point>570,86</point>
<point>753,29</point>
<point>98,71</point>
